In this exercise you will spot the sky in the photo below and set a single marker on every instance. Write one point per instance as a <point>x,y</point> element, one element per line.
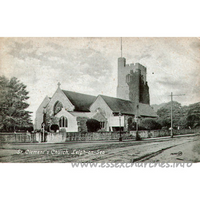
<point>89,65</point>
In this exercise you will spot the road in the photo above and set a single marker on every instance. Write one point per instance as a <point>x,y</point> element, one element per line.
<point>184,148</point>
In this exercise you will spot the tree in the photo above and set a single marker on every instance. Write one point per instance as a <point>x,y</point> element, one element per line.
<point>193,115</point>
<point>50,120</point>
<point>183,116</point>
<point>165,114</point>
<point>93,125</point>
<point>13,105</point>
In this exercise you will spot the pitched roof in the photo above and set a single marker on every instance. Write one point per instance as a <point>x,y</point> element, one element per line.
<point>81,101</point>
<point>128,107</point>
<point>146,110</point>
<point>119,105</point>
<point>44,104</point>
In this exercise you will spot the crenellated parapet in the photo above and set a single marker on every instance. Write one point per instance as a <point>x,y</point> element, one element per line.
<point>132,84</point>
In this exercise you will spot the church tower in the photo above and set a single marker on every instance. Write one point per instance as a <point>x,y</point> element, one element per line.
<point>122,87</point>
<point>132,84</point>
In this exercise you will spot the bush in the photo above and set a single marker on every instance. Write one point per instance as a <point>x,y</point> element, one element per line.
<point>54,127</point>
<point>92,125</point>
<point>150,124</point>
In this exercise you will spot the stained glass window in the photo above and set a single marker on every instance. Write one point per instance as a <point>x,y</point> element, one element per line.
<point>57,107</point>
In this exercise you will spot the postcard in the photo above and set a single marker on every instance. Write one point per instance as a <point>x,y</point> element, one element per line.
<point>100,100</point>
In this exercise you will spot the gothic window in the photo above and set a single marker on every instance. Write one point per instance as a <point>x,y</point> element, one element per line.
<point>57,107</point>
<point>63,122</point>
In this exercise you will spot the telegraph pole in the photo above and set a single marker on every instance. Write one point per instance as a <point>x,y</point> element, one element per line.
<point>137,123</point>
<point>120,134</point>
<point>171,114</point>
<point>44,123</point>
<point>172,111</point>
<point>121,46</point>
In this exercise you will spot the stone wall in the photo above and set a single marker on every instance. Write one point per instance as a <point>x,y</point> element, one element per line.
<point>64,137</point>
<point>162,133</point>
<point>133,81</point>
<point>138,89</point>
<point>132,84</point>
<point>96,136</point>
<point>19,137</point>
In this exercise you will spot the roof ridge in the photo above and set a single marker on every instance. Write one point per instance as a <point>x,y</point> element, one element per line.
<point>78,93</point>
<point>117,98</point>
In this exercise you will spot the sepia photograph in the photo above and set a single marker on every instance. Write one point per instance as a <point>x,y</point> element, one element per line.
<point>99,100</point>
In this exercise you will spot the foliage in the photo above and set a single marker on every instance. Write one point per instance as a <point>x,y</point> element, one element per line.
<point>131,124</point>
<point>193,115</point>
<point>13,105</point>
<point>150,124</point>
<point>93,125</point>
<point>164,114</point>
<point>54,127</point>
<point>50,119</point>
<point>183,116</point>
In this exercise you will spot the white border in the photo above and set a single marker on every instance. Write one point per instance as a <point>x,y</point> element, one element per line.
<point>98,18</point>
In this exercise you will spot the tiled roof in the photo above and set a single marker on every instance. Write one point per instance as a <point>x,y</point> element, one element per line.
<point>81,101</point>
<point>119,105</point>
<point>146,110</point>
<point>128,107</point>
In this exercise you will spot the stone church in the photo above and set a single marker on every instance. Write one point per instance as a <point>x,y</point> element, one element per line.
<point>77,112</point>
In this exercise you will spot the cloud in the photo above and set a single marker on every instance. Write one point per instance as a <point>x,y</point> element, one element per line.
<point>169,82</point>
<point>89,65</point>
